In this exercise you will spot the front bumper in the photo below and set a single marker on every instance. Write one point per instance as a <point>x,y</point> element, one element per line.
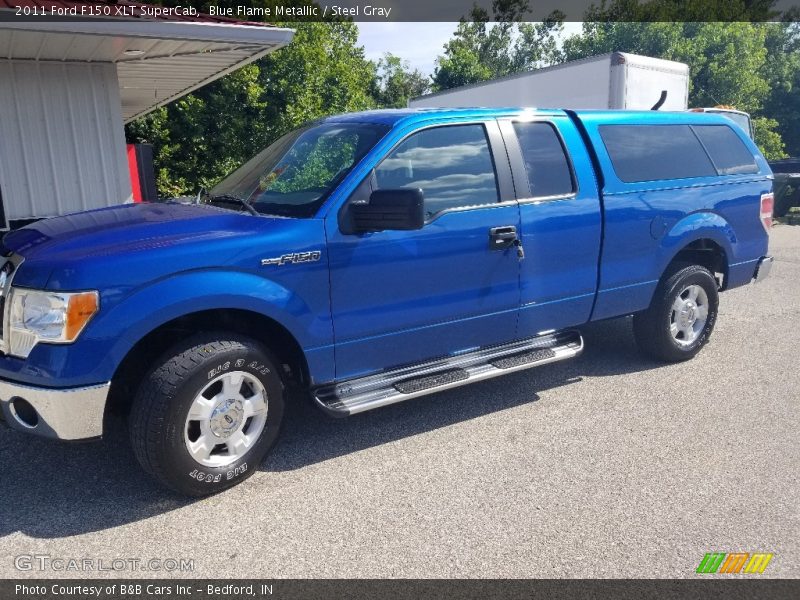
<point>66,414</point>
<point>763,268</point>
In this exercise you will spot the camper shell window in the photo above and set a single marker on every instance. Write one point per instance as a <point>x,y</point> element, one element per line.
<point>726,149</point>
<point>663,152</point>
<point>655,152</point>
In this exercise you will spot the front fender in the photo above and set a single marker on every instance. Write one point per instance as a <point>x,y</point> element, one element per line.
<point>121,324</point>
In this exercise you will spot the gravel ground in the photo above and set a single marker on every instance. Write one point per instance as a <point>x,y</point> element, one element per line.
<point>605,466</point>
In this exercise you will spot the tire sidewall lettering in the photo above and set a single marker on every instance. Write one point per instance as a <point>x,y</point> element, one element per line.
<point>206,477</point>
<point>255,365</point>
<point>219,369</point>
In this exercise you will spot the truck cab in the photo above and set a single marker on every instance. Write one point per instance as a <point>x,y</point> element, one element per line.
<point>372,258</point>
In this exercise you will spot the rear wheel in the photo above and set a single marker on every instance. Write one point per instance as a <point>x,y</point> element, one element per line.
<point>207,414</point>
<point>681,316</point>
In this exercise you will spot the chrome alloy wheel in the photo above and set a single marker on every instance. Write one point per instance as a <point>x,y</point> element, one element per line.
<point>226,419</point>
<point>689,315</point>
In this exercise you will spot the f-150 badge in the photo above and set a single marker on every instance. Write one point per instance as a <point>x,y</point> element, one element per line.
<point>292,259</point>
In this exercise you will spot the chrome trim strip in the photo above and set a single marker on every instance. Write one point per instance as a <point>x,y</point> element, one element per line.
<point>367,393</point>
<point>66,414</point>
<point>543,199</point>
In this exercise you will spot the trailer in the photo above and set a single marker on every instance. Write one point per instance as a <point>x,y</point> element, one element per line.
<point>617,80</point>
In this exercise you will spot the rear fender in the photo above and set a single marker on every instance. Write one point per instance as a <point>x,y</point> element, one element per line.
<point>693,227</point>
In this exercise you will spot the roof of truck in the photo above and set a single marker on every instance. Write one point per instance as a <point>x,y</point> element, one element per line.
<point>410,115</point>
<point>391,116</point>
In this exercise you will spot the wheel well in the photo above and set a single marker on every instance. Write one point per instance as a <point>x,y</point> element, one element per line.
<point>140,358</point>
<point>706,253</point>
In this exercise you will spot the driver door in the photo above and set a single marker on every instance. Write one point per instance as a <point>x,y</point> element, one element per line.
<point>402,297</point>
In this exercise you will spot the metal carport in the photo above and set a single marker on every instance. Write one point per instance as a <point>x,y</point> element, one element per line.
<point>67,87</point>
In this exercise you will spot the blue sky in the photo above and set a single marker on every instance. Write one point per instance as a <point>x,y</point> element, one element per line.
<point>418,43</point>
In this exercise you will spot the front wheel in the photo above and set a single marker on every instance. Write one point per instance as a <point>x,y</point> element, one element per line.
<point>207,414</point>
<point>681,316</point>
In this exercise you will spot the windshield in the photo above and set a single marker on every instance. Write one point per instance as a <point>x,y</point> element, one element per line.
<point>293,176</point>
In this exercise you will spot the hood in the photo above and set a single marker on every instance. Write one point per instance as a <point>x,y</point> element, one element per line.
<point>122,243</point>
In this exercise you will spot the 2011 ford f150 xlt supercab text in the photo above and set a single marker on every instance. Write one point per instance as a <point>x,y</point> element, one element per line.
<point>372,258</point>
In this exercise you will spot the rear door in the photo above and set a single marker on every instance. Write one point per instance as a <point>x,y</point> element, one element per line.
<point>401,297</point>
<point>560,222</point>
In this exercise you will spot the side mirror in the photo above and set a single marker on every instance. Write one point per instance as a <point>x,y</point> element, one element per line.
<point>400,209</point>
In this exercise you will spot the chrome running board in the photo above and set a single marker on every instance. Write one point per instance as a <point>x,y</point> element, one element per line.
<point>359,395</point>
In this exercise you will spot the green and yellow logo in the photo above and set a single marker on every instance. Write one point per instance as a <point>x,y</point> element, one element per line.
<point>734,562</point>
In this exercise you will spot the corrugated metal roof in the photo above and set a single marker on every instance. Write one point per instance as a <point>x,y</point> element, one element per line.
<point>121,9</point>
<point>158,60</point>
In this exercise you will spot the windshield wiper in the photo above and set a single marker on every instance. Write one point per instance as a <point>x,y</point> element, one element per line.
<point>233,200</point>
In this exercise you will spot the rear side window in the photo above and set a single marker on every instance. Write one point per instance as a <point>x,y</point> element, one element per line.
<point>727,151</point>
<point>653,152</point>
<point>546,162</point>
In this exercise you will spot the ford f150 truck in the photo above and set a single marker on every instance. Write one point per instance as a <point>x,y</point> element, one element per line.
<point>368,259</point>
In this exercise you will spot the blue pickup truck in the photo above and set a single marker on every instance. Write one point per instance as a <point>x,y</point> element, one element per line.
<point>371,258</point>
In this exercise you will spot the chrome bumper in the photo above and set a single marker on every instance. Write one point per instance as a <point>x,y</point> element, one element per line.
<point>70,414</point>
<point>763,268</point>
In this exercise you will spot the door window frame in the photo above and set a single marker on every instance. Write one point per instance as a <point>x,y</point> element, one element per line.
<point>517,160</point>
<point>498,151</point>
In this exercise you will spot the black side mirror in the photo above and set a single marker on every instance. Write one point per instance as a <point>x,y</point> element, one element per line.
<point>400,209</point>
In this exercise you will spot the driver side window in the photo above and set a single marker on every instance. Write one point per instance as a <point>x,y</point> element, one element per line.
<point>452,165</point>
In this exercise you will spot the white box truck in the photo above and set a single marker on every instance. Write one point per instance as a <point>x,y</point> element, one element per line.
<point>617,80</point>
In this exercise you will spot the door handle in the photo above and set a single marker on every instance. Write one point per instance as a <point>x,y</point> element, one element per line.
<point>501,238</point>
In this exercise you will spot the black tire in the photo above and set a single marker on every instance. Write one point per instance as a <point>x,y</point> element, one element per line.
<point>158,419</point>
<point>652,327</point>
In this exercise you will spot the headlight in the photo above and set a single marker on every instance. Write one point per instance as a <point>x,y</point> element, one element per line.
<point>52,317</point>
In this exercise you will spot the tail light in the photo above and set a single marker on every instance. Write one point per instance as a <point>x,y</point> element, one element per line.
<point>767,205</point>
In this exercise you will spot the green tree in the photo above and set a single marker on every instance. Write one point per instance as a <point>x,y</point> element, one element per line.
<point>782,70</point>
<point>488,46</point>
<point>683,11</point>
<point>725,59</point>
<point>730,63</point>
<point>396,82</point>
<point>321,72</point>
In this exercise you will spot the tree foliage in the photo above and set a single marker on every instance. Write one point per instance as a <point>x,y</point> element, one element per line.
<point>396,82</point>
<point>782,71</point>
<point>682,11</point>
<point>488,46</point>
<point>734,64</point>
<point>724,59</point>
